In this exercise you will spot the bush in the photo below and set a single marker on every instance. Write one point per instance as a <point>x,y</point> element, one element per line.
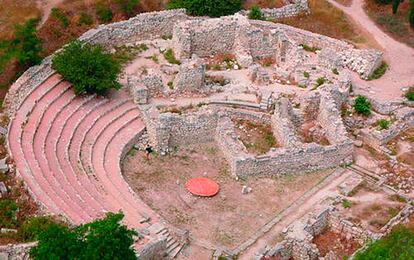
<point>309,48</point>
<point>33,227</point>
<point>395,4</point>
<point>379,71</point>
<point>383,124</point>
<point>26,43</point>
<point>384,2</point>
<point>127,6</point>
<point>104,13</point>
<point>398,245</point>
<point>88,67</point>
<point>346,204</point>
<point>85,19</point>
<point>212,8</point>
<point>362,106</point>
<point>8,213</point>
<point>61,16</point>
<point>409,94</point>
<point>100,239</point>
<point>411,14</point>
<point>169,56</point>
<point>255,13</point>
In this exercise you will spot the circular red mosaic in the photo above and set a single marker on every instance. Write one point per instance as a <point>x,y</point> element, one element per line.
<point>202,187</point>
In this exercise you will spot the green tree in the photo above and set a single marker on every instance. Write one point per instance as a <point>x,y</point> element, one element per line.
<point>395,4</point>
<point>411,14</point>
<point>27,44</point>
<point>212,8</point>
<point>8,210</point>
<point>33,227</point>
<point>398,245</point>
<point>104,12</point>
<point>88,67</point>
<point>362,106</point>
<point>104,239</point>
<point>255,13</point>
<point>127,6</point>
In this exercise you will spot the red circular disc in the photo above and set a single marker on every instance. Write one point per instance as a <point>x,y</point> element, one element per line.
<point>202,187</point>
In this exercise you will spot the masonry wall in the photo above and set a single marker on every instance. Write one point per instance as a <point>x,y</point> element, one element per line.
<point>145,26</point>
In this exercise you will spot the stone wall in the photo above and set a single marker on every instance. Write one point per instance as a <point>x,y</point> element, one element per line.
<point>16,251</point>
<point>289,10</point>
<point>145,26</point>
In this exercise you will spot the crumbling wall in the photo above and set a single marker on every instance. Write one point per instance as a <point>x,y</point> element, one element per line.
<point>16,251</point>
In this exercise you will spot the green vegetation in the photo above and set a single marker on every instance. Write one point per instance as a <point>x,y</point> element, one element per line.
<point>170,85</point>
<point>306,74</point>
<point>61,16</point>
<point>335,71</point>
<point>395,4</point>
<point>88,67</point>
<point>125,54</point>
<point>255,13</point>
<point>384,2</point>
<point>25,47</point>
<point>320,81</point>
<point>8,213</point>
<point>127,6</point>
<point>411,14</point>
<point>346,204</point>
<point>212,8</point>
<point>409,94</point>
<point>398,245</point>
<point>309,48</point>
<point>85,19</point>
<point>169,56</point>
<point>383,124</point>
<point>31,228</point>
<point>379,71</point>
<point>104,13</point>
<point>101,239</point>
<point>362,106</point>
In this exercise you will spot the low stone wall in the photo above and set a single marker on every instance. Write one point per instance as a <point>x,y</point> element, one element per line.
<point>16,251</point>
<point>290,10</point>
<point>145,26</point>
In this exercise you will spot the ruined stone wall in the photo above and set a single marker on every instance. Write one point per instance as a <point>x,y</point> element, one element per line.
<point>145,26</point>
<point>16,251</point>
<point>282,125</point>
<point>281,161</point>
<point>289,10</point>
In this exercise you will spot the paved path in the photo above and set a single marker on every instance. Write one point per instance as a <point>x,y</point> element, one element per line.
<point>399,56</point>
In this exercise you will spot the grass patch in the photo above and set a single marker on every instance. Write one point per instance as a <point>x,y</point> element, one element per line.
<point>379,72</point>
<point>383,124</point>
<point>309,48</point>
<point>125,54</point>
<point>346,204</point>
<point>170,57</point>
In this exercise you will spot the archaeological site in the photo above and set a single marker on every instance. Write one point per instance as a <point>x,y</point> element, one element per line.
<point>229,137</point>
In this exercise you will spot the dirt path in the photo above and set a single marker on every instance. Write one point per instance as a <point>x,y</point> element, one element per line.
<point>305,207</point>
<point>46,7</point>
<point>399,57</point>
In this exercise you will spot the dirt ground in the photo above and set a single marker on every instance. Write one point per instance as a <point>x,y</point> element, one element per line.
<point>372,209</point>
<point>258,139</point>
<point>227,219</point>
<point>337,243</point>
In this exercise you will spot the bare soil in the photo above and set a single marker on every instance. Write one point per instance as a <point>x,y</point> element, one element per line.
<point>227,219</point>
<point>311,132</point>
<point>337,243</point>
<point>371,209</point>
<point>257,138</point>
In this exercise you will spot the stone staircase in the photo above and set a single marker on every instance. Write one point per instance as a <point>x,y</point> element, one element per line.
<point>173,246</point>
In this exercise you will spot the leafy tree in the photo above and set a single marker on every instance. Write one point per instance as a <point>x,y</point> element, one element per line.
<point>8,210</point>
<point>362,106</point>
<point>33,227</point>
<point>27,44</point>
<point>101,239</point>
<point>395,4</point>
<point>88,67</point>
<point>104,12</point>
<point>411,14</point>
<point>127,6</point>
<point>398,245</point>
<point>212,8</point>
<point>255,13</point>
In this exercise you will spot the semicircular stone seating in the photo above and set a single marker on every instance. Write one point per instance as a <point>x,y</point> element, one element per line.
<point>68,150</point>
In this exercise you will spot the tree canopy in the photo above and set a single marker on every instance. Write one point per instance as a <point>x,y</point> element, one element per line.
<point>212,8</point>
<point>88,67</point>
<point>101,239</point>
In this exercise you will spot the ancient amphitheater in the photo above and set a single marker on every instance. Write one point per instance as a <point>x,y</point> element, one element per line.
<point>69,149</point>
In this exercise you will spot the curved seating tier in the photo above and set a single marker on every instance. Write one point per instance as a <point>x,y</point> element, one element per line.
<point>68,151</point>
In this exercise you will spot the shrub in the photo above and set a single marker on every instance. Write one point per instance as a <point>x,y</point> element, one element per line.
<point>212,8</point>
<point>384,2</point>
<point>309,48</point>
<point>395,4</point>
<point>411,14</point>
<point>8,211</point>
<point>100,239</point>
<point>383,124</point>
<point>127,6</point>
<point>378,72</point>
<point>33,227</point>
<point>104,13</point>
<point>335,71</point>
<point>85,19</point>
<point>169,56</point>
<point>61,16</point>
<point>409,94</point>
<point>362,106</point>
<point>346,204</point>
<point>255,13</point>
<point>26,43</point>
<point>88,68</point>
<point>398,245</point>
<point>306,74</point>
<point>320,81</point>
